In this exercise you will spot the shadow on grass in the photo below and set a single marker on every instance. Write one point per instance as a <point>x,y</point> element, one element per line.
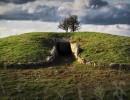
<point>61,60</point>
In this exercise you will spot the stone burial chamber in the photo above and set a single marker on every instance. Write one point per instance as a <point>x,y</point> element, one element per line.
<point>63,47</point>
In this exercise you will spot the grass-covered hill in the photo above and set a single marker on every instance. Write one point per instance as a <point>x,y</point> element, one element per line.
<point>104,48</point>
<point>35,47</point>
<point>26,48</point>
<point>63,81</point>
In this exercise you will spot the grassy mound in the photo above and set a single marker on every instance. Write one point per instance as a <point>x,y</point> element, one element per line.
<point>26,48</point>
<point>65,81</point>
<point>35,47</point>
<point>103,48</point>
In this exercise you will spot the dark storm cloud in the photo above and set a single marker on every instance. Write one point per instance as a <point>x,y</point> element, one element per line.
<point>98,3</point>
<point>89,11</point>
<point>45,14</point>
<point>108,15</point>
<point>15,1</point>
<point>104,13</point>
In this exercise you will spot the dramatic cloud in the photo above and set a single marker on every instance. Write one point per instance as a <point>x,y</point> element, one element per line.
<point>89,11</point>
<point>44,13</point>
<point>15,1</point>
<point>80,7</point>
<point>39,10</point>
<point>91,3</point>
<point>106,16</point>
<point>117,14</point>
<point>98,12</point>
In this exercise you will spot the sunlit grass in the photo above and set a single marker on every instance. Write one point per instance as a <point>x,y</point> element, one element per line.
<point>35,47</point>
<point>64,79</point>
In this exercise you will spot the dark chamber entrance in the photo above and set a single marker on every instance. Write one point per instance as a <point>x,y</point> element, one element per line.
<point>63,48</point>
<point>65,56</point>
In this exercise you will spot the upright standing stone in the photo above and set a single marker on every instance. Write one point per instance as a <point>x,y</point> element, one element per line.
<point>74,49</point>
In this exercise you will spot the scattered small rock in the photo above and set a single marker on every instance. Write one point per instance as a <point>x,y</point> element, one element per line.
<point>81,60</point>
<point>114,66</point>
<point>50,59</point>
<point>54,52</point>
<point>88,63</point>
<point>125,66</point>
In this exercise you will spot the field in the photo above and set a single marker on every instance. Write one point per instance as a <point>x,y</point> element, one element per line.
<point>65,79</point>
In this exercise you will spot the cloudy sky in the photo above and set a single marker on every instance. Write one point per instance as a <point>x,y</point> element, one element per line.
<point>20,16</point>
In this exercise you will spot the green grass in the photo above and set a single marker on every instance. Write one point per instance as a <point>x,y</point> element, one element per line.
<point>27,48</point>
<point>47,83</point>
<point>35,47</point>
<point>65,75</point>
<point>103,48</point>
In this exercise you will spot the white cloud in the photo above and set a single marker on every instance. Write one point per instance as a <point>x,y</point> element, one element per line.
<point>98,14</point>
<point>97,11</point>
<point>89,11</point>
<point>8,28</point>
<point>7,8</point>
<point>118,29</point>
